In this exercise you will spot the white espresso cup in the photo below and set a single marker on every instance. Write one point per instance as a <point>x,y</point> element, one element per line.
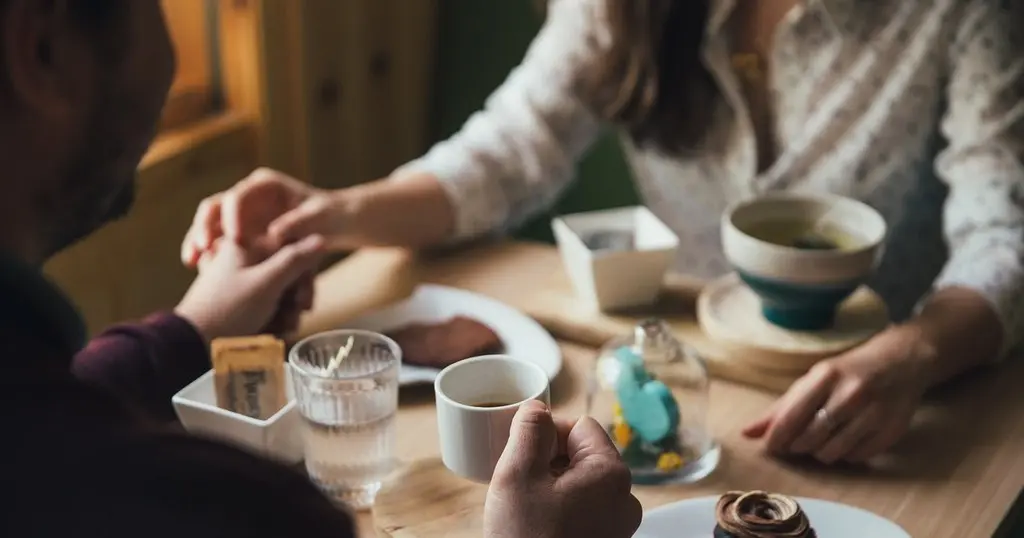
<point>476,400</point>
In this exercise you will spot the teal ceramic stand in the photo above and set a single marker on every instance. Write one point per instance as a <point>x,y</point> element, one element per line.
<point>799,307</point>
<point>799,319</point>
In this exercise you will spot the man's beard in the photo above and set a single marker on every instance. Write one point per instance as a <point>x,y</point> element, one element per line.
<point>90,211</point>
<point>97,186</point>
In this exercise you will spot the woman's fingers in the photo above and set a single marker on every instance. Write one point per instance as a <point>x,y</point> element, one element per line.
<point>208,221</point>
<point>849,435</point>
<point>257,201</point>
<point>307,218</point>
<point>890,431</point>
<point>204,231</point>
<point>844,404</point>
<point>797,407</point>
<point>757,429</point>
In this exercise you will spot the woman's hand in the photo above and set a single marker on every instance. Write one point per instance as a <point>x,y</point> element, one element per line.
<point>266,210</point>
<point>854,406</point>
<point>243,291</point>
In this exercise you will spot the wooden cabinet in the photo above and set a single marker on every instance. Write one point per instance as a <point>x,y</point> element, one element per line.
<point>333,92</point>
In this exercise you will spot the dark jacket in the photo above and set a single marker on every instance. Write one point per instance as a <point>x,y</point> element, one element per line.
<point>87,449</point>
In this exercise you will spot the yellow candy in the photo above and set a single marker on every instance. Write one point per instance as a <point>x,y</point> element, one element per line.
<point>669,461</point>
<point>622,434</point>
<point>617,412</point>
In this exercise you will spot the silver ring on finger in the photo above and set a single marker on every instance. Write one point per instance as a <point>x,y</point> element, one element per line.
<point>825,419</point>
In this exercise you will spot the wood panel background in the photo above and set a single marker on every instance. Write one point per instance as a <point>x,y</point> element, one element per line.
<point>359,97</point>
<point>333,92</point>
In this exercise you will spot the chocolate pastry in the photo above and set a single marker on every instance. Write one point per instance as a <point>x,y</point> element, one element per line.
<point>437,345</point>
<point>759,514</point>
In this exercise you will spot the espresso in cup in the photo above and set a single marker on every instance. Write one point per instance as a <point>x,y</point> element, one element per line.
<point>489,403</point>
<point>476,400</point>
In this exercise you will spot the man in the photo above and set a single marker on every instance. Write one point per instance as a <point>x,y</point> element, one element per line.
<point>86,452</point>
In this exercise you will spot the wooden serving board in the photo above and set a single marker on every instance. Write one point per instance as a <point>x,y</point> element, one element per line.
<point>530,277</point>
<point>570,319</point>
<point>425,500</point>
<point>369,279</point>
<point>730,314</point>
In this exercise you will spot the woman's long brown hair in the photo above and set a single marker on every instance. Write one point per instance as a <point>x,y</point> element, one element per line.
<point>651,81</point>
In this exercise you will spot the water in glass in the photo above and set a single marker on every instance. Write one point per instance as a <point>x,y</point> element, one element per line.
<point>349,413</point>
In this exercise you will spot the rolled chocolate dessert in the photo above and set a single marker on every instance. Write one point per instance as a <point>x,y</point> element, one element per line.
<point>759,514</point>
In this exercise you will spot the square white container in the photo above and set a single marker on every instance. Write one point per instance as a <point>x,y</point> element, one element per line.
<point>278,437</point>
<point>614,279</point>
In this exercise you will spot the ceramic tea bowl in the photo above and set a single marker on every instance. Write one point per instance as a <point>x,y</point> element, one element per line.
<point>802,254</point>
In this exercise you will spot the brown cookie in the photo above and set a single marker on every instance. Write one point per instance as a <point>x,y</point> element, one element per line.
<point>437,345</point>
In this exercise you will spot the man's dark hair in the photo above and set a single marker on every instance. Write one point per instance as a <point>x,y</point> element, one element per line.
<point>96,14</point>
<point>100,19</point>
<point>93,14</point>
<point>97,19</point>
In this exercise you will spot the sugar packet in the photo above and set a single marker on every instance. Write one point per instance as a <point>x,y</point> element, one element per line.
<point>249,375</point>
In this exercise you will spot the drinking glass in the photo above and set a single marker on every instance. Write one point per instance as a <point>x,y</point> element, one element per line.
<point>348,415</point>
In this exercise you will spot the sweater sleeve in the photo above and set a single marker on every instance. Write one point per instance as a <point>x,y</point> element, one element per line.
<point>984,213</point>
<point>516,156</point>
<point>145,363</point>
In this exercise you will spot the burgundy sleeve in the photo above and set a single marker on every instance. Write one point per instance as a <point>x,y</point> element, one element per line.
<point>145,363</point>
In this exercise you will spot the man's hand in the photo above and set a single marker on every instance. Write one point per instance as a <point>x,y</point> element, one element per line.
<point>563,480</point>
<point>241,291</point>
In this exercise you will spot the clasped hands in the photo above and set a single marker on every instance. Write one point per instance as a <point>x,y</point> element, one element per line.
<point>847,408</point>
<point>252,279</point>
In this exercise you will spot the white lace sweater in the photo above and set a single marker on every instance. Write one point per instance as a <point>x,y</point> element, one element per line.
<point>912,106</point>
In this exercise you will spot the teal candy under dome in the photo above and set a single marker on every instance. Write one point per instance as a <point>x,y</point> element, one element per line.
<point>651,394</point>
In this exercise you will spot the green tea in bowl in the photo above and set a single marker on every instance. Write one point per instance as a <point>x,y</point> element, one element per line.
<point>802,254</point>
<point>806,234</point>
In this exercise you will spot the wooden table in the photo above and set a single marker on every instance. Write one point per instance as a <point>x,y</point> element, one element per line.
<point>956,475</point>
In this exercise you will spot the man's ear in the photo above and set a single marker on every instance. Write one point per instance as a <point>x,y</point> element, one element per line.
<point>50,68</point>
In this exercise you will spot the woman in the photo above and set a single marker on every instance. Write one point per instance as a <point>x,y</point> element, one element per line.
<point>912,107</point>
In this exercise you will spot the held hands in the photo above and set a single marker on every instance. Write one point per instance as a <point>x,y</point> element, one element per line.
<point>534,494</point>
<point>265,213</point>
<point>267,209</point>
<point>242,291</point>
<point>851,407</point>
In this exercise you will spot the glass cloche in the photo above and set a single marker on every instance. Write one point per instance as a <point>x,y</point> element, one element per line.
<point>651,393</point>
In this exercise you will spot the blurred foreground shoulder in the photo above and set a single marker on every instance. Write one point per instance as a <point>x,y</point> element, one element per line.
<point>164,485</point>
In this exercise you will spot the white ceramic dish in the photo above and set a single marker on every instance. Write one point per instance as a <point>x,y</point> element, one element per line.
<point>277,437</point>
<point>695,518</point>
<point>523,337</point>
<point>610,280</point>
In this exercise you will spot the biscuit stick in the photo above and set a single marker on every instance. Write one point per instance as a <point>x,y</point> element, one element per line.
<point>342,354</point>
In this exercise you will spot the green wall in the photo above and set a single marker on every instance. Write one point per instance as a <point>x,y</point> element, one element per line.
<point>480,41</point>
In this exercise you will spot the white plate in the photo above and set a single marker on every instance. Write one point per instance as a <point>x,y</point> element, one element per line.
<point>523,337</point>
<point>695,518</point>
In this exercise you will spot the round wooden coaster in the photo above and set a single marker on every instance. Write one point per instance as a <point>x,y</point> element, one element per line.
<point>730,315</point>
<point>426,500</point>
